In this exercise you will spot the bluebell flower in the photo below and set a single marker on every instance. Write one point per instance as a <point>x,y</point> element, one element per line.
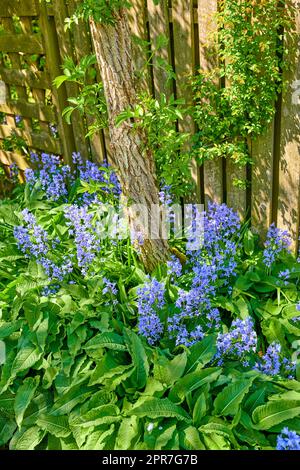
<point>238,343</point>
<point>151,299</point>
<point>79,221</point>
<point>174,267</point>
<point>273,364</point>
<point>277,241</point>
<point>288,440</point>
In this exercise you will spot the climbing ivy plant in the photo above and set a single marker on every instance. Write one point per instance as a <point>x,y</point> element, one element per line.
<point>235,101</point>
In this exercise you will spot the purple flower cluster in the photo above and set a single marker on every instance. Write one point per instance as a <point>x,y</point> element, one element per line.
<point>212,265</point>
<point>174,267</point>
<point>277,241</point>
<point>272,364</point>
<point>55,178</point>
<point>109,287</point>
<point>34,242</point>
<point>89,171</point>
<point>151,299</point>
<point>288,440</point>
<point>14,172</point>
<point>52,176</point>
<point>238,343</point>
<point>79,221</point>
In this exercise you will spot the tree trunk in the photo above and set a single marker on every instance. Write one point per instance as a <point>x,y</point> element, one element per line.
<point>133,161</point>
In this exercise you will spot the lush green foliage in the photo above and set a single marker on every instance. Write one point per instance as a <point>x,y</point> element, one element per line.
<point>77,374</point>
<point>249,48</point>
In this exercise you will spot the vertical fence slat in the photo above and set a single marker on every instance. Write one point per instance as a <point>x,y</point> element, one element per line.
<point>158,17</point>
<point>60,95</point>
<point>66,49</point>
<point>262,181</point>
<point>213,170</point>
<point>289,163</point>
<point>138,25</point>
<point>183,34</point>
<point>83,47</point>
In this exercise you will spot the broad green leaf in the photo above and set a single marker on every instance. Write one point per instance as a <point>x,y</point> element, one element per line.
<point>164,437</point>
<point>97,439</point>
<point>192,439</point>
<point>192,381</point>
<point>27,357</point>
<point>275,412</point>
<point>201,353</point>
<point>7,429</point>
<point>128,432</point>
<point>200,409</point>
<point>229,399</point>
<point>106,340</point>
<point>159,408</point>
<point>7,328</point>
<point>66,402</point>
<point>215,428</point>
<point>105,414</point>
<point>24,395</point>
<point>7,400</point>
<point>56,425</point>
<point>168,372</point>
<point>27,439</point>
<point>139,359</point>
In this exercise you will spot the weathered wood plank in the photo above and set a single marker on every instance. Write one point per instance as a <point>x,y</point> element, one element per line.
<point>289,164</point>
<point>137,15</point>
<point>59,96</point>
<point>236,196</point>
<point>7,158</point>
<point>183,33</point>
<point>82,47</point>
<point>158,17</point>
<point>26,43</point>
<point>8,8</point>
<point>262,181</point>
<point>66,49</point>
<point>213,170</point>
<point>28,78</point>
<point>30,110</point>
<point>39,141</point>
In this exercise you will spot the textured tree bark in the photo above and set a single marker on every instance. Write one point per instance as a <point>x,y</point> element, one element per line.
<point>135,163</point>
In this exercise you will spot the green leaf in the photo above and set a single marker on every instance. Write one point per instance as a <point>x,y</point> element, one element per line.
<point>56,425</point>
<point>192,381</point>
<point>200,409</point>
<point>24,396</point>
<point>168,372</point>
<point>229,399</point>
<point>106,340</point>
<point>97,439</point>
<point>160,408</point>
<point>27,439</point>
<point>192,439</point>
<point>7,429</point>
<point>128,432</point>
<point>275,412</point>
<point>27,357</point>
<point>139,358</point>
<point>75,395</point>
<point>104,414</point>
<point>201,353</point>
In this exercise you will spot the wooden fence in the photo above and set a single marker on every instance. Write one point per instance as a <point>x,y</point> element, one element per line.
<point>33,59</point>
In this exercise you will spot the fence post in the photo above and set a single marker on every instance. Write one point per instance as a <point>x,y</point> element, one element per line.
<point>53,64</point>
